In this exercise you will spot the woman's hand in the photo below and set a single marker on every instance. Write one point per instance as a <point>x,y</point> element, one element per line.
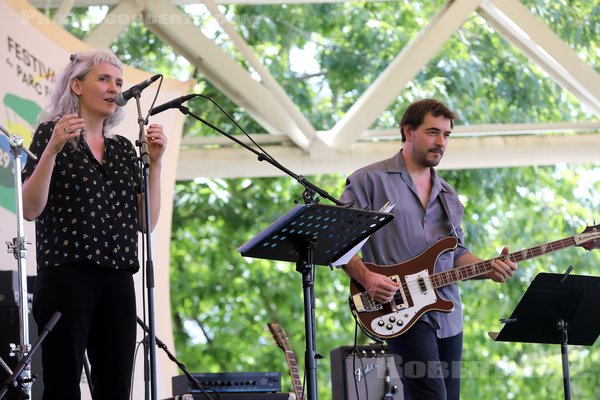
<point>157,142</point>
<point>67,128</point>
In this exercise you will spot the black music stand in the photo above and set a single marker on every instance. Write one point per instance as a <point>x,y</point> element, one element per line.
<point>556,309</point>
<point>313,234</point>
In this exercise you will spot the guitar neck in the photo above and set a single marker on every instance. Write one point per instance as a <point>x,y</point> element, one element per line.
<point>473,270</point>
<point>283,342</point>
<point>293,367</point>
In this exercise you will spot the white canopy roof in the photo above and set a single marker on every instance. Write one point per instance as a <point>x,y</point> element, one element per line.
<point>293,140</point>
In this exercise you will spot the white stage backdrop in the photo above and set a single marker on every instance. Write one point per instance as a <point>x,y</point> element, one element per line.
<point>34,50</point>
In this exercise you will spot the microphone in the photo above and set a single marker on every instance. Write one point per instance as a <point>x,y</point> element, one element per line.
<point>122,98</point>
<point>175,103</point>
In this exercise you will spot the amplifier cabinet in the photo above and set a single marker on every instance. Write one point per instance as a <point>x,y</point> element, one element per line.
<point>236,396</point>
<point>360,373</point>
<point>227,382</point>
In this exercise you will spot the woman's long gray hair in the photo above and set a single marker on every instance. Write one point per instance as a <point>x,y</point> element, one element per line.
<point>63,101</point>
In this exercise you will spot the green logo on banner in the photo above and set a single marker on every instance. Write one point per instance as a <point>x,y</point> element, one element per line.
<point>20,120</point>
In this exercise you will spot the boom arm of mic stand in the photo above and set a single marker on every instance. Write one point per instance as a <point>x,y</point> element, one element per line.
<point>310,187</point>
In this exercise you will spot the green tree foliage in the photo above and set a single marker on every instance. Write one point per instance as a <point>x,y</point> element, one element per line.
<point>218,296</point>
<point>523,208</point>
<point>325,56</point>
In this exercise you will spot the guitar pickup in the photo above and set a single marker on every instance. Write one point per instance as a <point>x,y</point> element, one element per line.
<point>399,302</point>
<point>422,285</point>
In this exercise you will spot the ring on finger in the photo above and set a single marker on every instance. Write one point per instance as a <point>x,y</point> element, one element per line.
<point>65,130</point>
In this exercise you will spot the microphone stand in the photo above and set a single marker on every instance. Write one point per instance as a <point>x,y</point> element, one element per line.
<point>145,158</point>
<point>18,247</point>
<point>310,188</point>
<point>305,267</point>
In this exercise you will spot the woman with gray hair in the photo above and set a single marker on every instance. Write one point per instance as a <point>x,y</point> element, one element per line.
<point>84,194</point>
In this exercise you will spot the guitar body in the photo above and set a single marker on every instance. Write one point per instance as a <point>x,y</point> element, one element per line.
<point>415,297</point>
<point>419,284</point>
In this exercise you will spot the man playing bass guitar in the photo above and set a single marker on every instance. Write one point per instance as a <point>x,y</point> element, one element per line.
<point>426,209</point>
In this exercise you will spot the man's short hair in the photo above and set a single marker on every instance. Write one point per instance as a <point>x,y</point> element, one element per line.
<point>416,112</point>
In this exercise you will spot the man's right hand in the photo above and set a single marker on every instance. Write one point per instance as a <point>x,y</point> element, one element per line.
<point>380,287</point>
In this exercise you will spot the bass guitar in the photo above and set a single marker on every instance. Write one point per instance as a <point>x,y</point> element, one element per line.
<point>418,292</point>
<point>284,344</point>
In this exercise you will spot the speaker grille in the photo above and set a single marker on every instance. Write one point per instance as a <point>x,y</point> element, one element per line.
<point>360,373</point>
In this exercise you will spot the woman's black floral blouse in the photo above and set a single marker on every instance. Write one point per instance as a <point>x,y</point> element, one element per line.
<point>91,213</point>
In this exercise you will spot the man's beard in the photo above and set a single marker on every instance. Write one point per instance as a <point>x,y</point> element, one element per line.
<point>428,162</point>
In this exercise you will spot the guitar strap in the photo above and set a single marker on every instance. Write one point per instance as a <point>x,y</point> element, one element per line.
<point>447,210</point>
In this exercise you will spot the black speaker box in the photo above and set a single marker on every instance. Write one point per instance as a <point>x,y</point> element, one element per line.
<point>359,373</point>
<point>10,333</point>
<point>235,396</point>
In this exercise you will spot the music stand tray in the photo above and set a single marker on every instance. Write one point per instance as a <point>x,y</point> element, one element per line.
<point>556,309</point>
<point>309,235</point>
<point>332,230</point>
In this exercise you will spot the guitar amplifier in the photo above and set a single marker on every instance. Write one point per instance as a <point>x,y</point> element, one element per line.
<point>236,396</point>
<point>224,382</point>
<point>360,373</point>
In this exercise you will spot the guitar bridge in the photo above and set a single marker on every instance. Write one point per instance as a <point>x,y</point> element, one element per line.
<point>363,302</point>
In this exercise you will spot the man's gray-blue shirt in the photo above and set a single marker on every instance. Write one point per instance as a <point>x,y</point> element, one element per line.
<point>413,229</point>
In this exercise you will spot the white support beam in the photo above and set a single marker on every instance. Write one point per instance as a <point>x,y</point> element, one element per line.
<point>86,3</point>
<point>64,9</point>
<point>267,79</point>
<point>176,28</point>
<point>462,153</point>
<point>515,22</point>
<point>543,128</point>
<point>115,22</point>
<point>403,68</point>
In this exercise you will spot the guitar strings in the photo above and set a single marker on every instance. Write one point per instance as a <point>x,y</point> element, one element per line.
<point>441,279</point>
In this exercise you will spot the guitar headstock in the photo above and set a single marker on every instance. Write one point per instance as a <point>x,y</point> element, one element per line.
<point>280,336</point>
<point>589,239</point>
